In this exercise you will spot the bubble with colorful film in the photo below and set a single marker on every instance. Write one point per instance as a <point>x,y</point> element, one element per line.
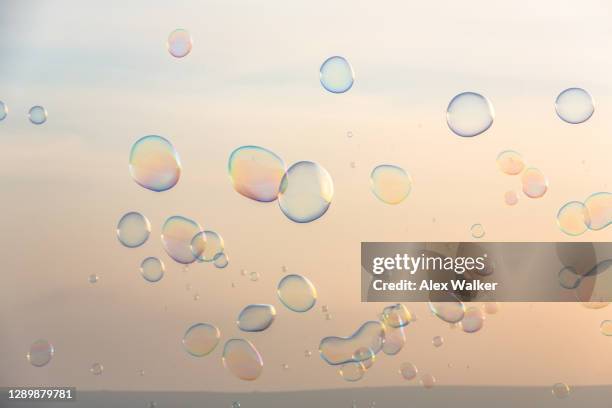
<point>297,293</point>
<point>221,261</point>
<point>469,114</point>
<point>395,340</point>
<point>177,235</point>
<point>535,183</point>
<point>352,372</point>
<point>41,352</point>
<point>256,172</point>
<point>256,318</point>
<point>396,315</point>
<point>201,339</point>
<point>449,309</point>
<point>154,163</point>
<point>599,210</point>
<point>133,229</point>
<point>510,162</point>
<point>336,75</point>
<point>179,43</point>
<point>573,218</point>
<point>339,350</point>
<point>206,246</point>
<point>574,105</point>
<point>37,115</point>
<point>152,269</point>
<point>242,359</point>
<point>390,184</point>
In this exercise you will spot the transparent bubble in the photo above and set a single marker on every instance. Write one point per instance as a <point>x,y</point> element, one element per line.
<point>297,293</point>
<point>152,269</point>
<point>152,404</point>
<point>179,43</point>
<point>336,75</point>
<point>491,307</point>
<point>473,320</point>
<point>352,372</point>
<point>93,278</point>
<point>390,184</point>
<point>324,309</point>
<point>154,164</point>
<point>568,278</point>
<point>328,316</point>
<point>451,310</point>
<point>395,340</point>
<point>177,235</point>
<point>469,114</point>
<point>196,297</point>
<point>306,192</point>
<point>221,260</point>
<point>96,368</point>
<point>254,276</point>
<point>201,339</point>
<point>206,246</point>
<point>307,353</point>
<point>235,404</point>
<point>511,198</point>
<point>560,390</point>
<point>437,341</point>
<point>572,218</point>
<point>285,366</point>
<point>510,162</point>
<point>256,172</point>
<point>396,315</point>
<point>133,229</point>
<point>535,183</point>
<point>599,208</point>
<point>242,359</point>
<point>477,231</point>
<point>408,371</point>
<point>141,373</point>
<point>606,327</point>
<point>38,115</point>
<point>244,272</point>
<point>339,350</point>
<point>349,134</point>
<point>365,356</point>
<point>428,380</point>
<point>574,105</point>
<point>3,110</point>
<point>41,352</point>
<point>256,318</point>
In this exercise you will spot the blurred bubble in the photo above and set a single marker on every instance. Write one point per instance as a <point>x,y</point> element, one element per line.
<point>206,246</point>
<point>221,260</point>
<point>606,327</point>
<point>408,371</point>
<point>196,297</point>
<point>469,114</point>
<point>152,269</point>
<point>560,390</point>
<point>152,404</point>
<point>133,229</point>
<point>365,356</point>
<point>534,182</point>
<point>141,373</point>
<point>451,310</point>
<point>352,371</point>
<point>307,353</point>
<point>93,278</point>
<point>390,184</point>
<point>177,235</point>
<point>491,308</point>
<point>41,352</point>
<point>599,209</point>
<point>154,164</point>
<point>574,105</point>
<point>256,172</point>
<point>285,366</point>
<point>339,350</point>
<point>511,198</point>
<point>336,75</point>
<point>254,276</point>
<point>437,341</point>
<point>96,368</point>
<point>568,278</point>
<point>179,43</point>
<point>235,404</point>
<point>395,339</point>
<point>306,192</point>
<point>396,315</point>
<point>477,231</point>
<point>201,339</point>
<point>328,316</point>
<point>473,320</point>
<point>244,272</point>
<point>572,218</point>
<point>242,359</point>
<point>349,134</point>
<point>3,110</point>
<point>297,293</point>
<point>256,318</point>
<point>510,162</point>
<point>38,115</point>
<point>324,309</point>
<point>428,380</point>
<point>352,164</point>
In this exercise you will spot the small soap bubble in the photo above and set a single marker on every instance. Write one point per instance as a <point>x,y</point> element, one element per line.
<point>41,352</point>
<point>179,43</point>
<point>428,381</point>
<point>93,278</point>
<point>242,359</point>
<point>606,327</point>
<point>535,183</point>
<point>336,75</point>
<point>254,276</point>
<point>390,184</point>
<point>491,308</point>
<point>141,373</point>
<point>396,315</point>
<point>256,318</point>
<point>437,341</point>
<point>352,371</point>
<point>196,297</point>
<point>96,369</point>
<point>599,209</point>
<point>38,115</point>
<point>352,165</point>
<point>574,105</point>
<point>3,110</point>
<point>221,260</point>
<point>152,269</point>
<point>297,293</point>
<point>560,390</point>
<point>328,316</point>
<point>285,366</point>
<point>477,231</point>
<point>510,162</point>
<point>206,246</point>
<point>511,198</point>
<point>256,172</point>
<point>349,134</point>
<point>188,287</point>
<point>324,309</point>
<point>244,272</point>
<point>307,353</point>
<point>573,218</point>
<point>201,339</point>
<point>473,320</point>
<point>568,278</point>
<point>408,371</point>
<point>177,235</point>
<point>469,114</point>
<point>152,404</point>
<point>133,229</point>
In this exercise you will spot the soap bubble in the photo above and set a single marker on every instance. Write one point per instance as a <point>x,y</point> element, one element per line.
<point>339,350</point>
<point>307,353</point>
<point>3,110</point>
<point>473,320</point>
<point>242,359</point>
<point>256,318</point>
<point>221,260</point>
<point>96,368</point>
<point>254,276</point>
<point>352,371</point>
<point>154,164</point>
<point>437,341</point>
<point>235,404</point>
<point>336,75</point>
<point>206,246</point>
<point>560,390</point>
<point>469,114</point>
<point>396,315</point>
<point>177,235</point>
<point>390,184</point>
<point>568,278</point>
<point>152,269</point>
<point>297,293</point>
<point>511,198</point>
<point>38,115</point>
<point>201,339</point>
<point>408,371</point>
<point>285,366</point>
<point>395,339</point>
<point>328,316</point>
<point>491,307</point>
<point>428,380</point>
<point>256,172</point>
<point>599,208</point>
<point>572,218</point>
<point>574,105</point>
<point>179,43</point>
<point>133,229</point>
<point>510,162</point>
<point>450,310</point>
<point>606,327</point>
<point>41,352</point>
<point>477,231</point>
<point>93,278</point>
<point>534,182</point>
<point>306,192</point>
<point>365,356</point>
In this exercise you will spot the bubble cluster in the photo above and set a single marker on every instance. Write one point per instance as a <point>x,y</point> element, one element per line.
<point>177,235</point>
<point>179,43</point>
<point>242,359</point>
<point>256,172</point>
<point>339,350</point>
<point>390,184</point>
<point>510,162</point>
<point>207,246</point>
<point>297,293</point>
<point>336,75</point>
<point>133,229</point>
<point>41,352</point>
<point>96,369</point>
<point>469,114</point>
<point>3,110</point>
<point>201,339</point>
<point>473,320</point>
<point>574,217</point>
<point>408,371</point>
<point>154,164</point>
<point>574,105</point>
<point>37,115</point>
<point>152,269</point>
<point>535,183</point>
<point>256,318</point>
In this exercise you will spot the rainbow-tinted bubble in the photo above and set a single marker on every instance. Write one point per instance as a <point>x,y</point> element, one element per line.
<point>510,162</point>
<point>3,110</point>
<point>572,218</point>
<point>177,234</point>
<point>206,246</point>
<point>336,75</point>
<point>133,229</point>
<point>469,114</point>
<point>37,115</point>
<point>477,231</point>
<point>152,269</point>
<point>535,183</point>
<point>599,209</point>
<point>242,359</point>
<point>560,390</point>
<point>179,43</point>
<point>256,318</point>
<point>511,198</point>
<point>395,340</point>
<point>574,105</point>
<point>201,339</point>
<point>352,372</point>
<point>408,371</point>
<point>221,261</point>
<point>306,192</point>
<point>339,350</point>
<point>396,316</point>
<point>365,356</point>
<point>154,164</point>
<point>606,327</point>
<point>390,184</point>
<point>41,352</point>
<point>96,369</point>
<point>256,172</point>
<point>297,293</point>
<point>473,320</point>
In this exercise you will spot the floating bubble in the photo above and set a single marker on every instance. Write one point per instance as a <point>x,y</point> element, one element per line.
<point>574,105</point>
<point>154,164</point>
<point>349,134</point>
<point>352,372</point>
<point>390,184</point>
<point>285,366</point>
<point>152,269</point>
<point>451,310</point>
<point>408,371</point>
<point>196,297</point>
<point>254,276</point>
<point>206,246</point>
<point>606,327</point>
<point>599,208</point>
<point>221,261</point>
<point>256,172</point>
<point>93,278</point>
<point>96,368</point>
<point>336,75</point>
<point>473,320</point>
<point>365,356</point>
<point>235,404</point>
<point>328,316</point>
<point>560,390</point>
<point>534,182</point>
<point>428,381</point>
<point>324,309</point>
<point>256,318</point>
<point>437,341</point>
<point>177,235</point>
<point>306,192</point>
<point>340,350</point>
<point>307,353</point>
<point>133,229</point>
<point>477,231</point>
<point>469,114</point>
<point>242,359</point>
<point>38,115</point>
<point>41,352</point>
<point>510,162</point>
<point>201,339</point>
<point>511,198</point>
<point>396,315</point>
<point>179,43</point>
<point>572,218</point>
<point>568,278</point>
<point>491,307</point>
<point>3,110</point>
<point>395,339</point>
<point>297,293</point>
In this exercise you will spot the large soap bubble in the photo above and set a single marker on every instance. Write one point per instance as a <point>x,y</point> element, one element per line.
<point>336,75</point>
<point>469,114</point>
<point>256,172</point>
<point>133,229</point>
<point>242,359</point>
<point>574,105</point>
<point>177,235</point>
<point>154,164</point>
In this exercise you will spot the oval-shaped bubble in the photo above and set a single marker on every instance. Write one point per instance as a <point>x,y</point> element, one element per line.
<point>574,105</point>
<point>133,229</point>
<point>510,162</point>
<point>396,315</point>
<point>221,261</point>
<point>395,339</point>
<point>336,74</point>
<point>256,172</point>
<point>154,163</point>
<point>297,293</point>
<point>201,339</point>
<point>560,390</point>
<point>179,43</point>
<point>408,371</point>
<point>477,231</point>
<point>469,114</point>
<point>177,234</point>
<point>390,184</point>
<point>152,269</point>
<point>256,318</point>
<point>41,352</point>
<point>473,320</point>
<point>352,372</point>
<point>37,115</point>
<point>339,350</point>
<point>306,192</point>
<point>3,110</point>
<point>535,183</point>
<point>572,218</point>
<point>599,210</point>
<point>242,359</point>
<point>511,198</point>
<point>452,310</point>
<point>206,246</point>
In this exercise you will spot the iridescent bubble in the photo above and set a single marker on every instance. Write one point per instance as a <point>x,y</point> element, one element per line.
<point>221,260</point>
<point>206,246</point>
<point>560,390</point>
<point>96,368</point>
<point>491,308</point>
<point>511,198</point>
<point>306,192</point>
<point>177,235</point>
<point>451,310</point>
<point>352,371</point>
<point>396,315</point>
<point>473,320</point>
<point>437,341</point>
<point>336,75</point>
<point>574,105</point>
<point>152,269</point>
<point>3,110</point>
<point>154,164</point>
<point>41,352</point>
<point>179,43</point>
<point>534,182</point>
<point>93,278</point>
<point>477,231</point>
<point>242,359</point>
<point>510,162</point>
<point>365,356</point>
<point>201,339</point>
<point>390,184</point>
<point>133,229</point>
<point>38,115</point>
<point>395,339</point>
<point>599,208</point>
<point>428,380</point>
<point>469,114</point>
<point>256,318</point>
<point>408,371</point>
<point>256,172</point>
<point>297,293</point>
<point>572,218</point>
<point>568,278</point>
<point>339,350</point>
